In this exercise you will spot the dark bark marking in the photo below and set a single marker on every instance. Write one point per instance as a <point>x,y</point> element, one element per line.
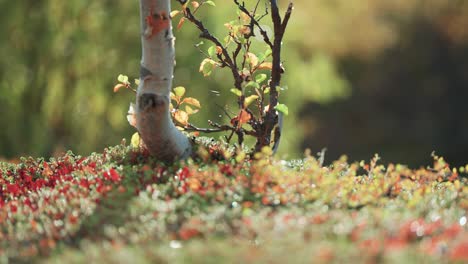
<point>152,101</point>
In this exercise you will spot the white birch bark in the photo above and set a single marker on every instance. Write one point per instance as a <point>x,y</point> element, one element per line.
<point>153,120</point>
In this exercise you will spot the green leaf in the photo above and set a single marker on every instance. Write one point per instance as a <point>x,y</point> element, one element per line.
<point>282,108</point>
<point>260,78</point>
<point>264,56</point>
<point>252,84</point>
<point>249,100</point>
<point>211,3</point>
<point>267,90</point>
<point>227,39</point>
<point>122,78</point>
<point>236,91</point>
<point>179,91</point>
<point>212,51</point>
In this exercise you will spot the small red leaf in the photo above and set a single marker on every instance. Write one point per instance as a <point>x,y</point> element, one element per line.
<point>117,87</point>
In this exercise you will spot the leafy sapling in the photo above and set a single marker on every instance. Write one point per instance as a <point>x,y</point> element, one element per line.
<point>256,75</point>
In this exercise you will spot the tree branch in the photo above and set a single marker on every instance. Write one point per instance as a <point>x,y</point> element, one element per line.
<point>287,16</point>
<point>255,22</point>
<point>271,118</point>
<point>208,36</point>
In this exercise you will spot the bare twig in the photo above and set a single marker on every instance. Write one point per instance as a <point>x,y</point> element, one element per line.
<point>287,16</point>
<point>254,21</point>
<point>191,127</point>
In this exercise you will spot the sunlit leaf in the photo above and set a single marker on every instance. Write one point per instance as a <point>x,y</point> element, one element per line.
<point>207,66</point>
<point>195,4</point>
<point>181,117</point>
<point>252,84</point>
<point>212,51</point>
<point>219,50</point>
<point>260,78</point>
<point>190,110</point>
<point>137,81</point>
<point>236,91</point>
<point>192,101</point>
<point>181,23</point>
<point>118,86</point>
<point>135,140</point>
<point>282,108</point>
<point>175,13</point>
<point>244,30</point>
<point>265,66</point>
<point>227,39</point>
<point>122,78</point>
<point>244,17</point>
<point>179,91</point>
<point>244,117</point>
<point>250,99</point>
<point>211,3</point>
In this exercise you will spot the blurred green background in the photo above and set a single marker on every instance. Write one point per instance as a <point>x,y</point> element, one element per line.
<point>362,77</point>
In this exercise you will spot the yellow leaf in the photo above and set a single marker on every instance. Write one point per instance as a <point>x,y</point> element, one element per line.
<point>253,59</point>
<point>179,91</point>
<point>249,100</point>
<point>192,101</point>
<point>240,157</point>
<point>181,117</point>
<point>207,66</point>
<point>135,141</point>
<point>265,66</point>
<point>245,18</point>
<point>175,13</point>
<point>228,26</point>
<point>190,111</point>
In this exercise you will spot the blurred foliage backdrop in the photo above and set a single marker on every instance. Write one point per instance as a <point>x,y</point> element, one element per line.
<point>361,76</point>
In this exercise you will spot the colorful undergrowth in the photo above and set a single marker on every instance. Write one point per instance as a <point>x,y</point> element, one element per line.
<point>123,201</point>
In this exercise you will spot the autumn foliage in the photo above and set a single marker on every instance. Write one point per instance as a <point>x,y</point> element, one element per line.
<point>123,198</point>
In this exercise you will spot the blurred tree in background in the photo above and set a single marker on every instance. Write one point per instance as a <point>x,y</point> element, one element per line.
<point>361,76</point>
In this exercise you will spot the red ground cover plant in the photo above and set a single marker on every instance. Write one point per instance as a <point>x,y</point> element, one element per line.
<point>361,211</point>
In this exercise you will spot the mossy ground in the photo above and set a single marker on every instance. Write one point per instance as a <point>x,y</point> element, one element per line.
<point>123,207</point>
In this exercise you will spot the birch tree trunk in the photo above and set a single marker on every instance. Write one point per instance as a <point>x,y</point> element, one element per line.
<point>153,120</point>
